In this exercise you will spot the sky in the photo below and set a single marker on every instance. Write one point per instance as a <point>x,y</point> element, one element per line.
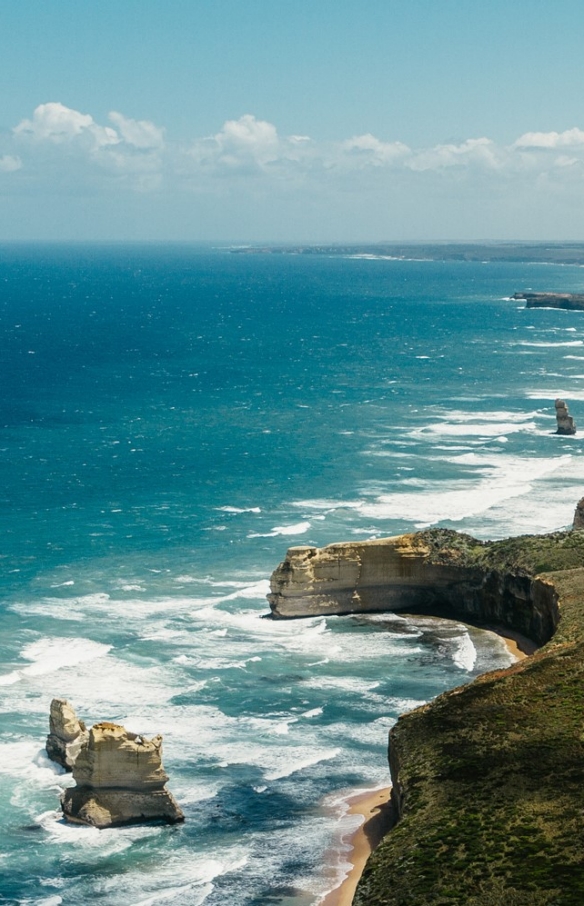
<point>291,120</point>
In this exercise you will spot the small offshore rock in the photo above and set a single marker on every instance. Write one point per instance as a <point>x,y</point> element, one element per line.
<point>120,780</point>
<point>565,422</point>
<point>67,734</point>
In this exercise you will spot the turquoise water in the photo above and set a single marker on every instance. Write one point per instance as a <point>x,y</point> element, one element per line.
<point>173,418</point>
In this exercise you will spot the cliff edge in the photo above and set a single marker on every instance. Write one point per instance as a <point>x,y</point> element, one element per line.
<point>488,779</point>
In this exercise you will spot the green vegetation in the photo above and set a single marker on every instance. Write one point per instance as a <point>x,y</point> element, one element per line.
<point>492,773</point>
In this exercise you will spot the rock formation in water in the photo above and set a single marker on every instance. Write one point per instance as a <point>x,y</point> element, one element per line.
<point>67,734</point>
<point>566,424</point>
<point>568,301</point>
<point>120,780</point>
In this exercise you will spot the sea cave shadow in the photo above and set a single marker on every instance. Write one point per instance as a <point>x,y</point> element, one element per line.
<point>380,823</point>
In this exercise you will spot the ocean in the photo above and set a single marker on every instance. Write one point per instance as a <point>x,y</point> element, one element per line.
<point>173,418</point>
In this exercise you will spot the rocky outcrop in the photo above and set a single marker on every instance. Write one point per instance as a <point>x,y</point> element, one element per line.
<point>568,301</point>
<point>120,780</point>
<point>566,424</point>
<point>439,572</point>
<point>67,734</point>
<point>578,523</point>
<point>386,574</point>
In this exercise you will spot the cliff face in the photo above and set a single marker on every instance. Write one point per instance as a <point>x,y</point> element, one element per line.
<point>390,574</point>
<point>488,779</point>
<point>442,573</point>
<point>487,784</point>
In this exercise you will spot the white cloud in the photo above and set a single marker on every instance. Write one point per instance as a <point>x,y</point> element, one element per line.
<point>56,123</point>
<point>76,150</point>
<point>9,163</point>
<point>139,133</point>
<point>369,150</point>
<point>571,138</point>
<point>478,151</point>
<point>62,150</point>
<point>243,144</point>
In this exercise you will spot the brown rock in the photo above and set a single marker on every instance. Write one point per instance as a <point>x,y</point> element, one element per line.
<point>352,577</point>
<point>578,523</point>
<point>67,734</point>
<point>566,424</point>
<point>120,780</point>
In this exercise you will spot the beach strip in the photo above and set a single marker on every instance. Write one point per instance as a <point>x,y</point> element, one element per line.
<point>377,819</point>
<point>519,645</point>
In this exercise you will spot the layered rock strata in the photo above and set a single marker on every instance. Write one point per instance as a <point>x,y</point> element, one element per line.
<point>67,734</point>
<point>565,422</point>
<point>120,780</point>
<point>429,572</point>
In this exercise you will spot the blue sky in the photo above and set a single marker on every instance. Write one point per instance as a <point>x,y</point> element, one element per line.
<point>280,120</point>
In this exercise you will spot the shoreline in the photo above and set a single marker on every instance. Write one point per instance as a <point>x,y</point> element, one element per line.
<point>519,645</point>
<point>375,807</point>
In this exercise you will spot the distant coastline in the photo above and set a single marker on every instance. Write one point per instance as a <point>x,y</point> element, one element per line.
<point>562,253</point>
<point>565,301</point>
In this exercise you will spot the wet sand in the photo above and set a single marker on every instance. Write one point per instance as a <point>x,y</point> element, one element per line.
<point>377,815</point>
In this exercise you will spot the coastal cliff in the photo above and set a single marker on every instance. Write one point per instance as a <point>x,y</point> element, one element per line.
<point>487,778</point>
<point>439,572</point>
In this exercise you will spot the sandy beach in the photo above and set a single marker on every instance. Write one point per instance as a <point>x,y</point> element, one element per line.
<point>519,645</point>
<point>376,812</point>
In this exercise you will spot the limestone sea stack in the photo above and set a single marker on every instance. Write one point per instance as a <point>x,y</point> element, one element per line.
<point>67,734</point>
<point>566,424</point>
<point>120,780</point>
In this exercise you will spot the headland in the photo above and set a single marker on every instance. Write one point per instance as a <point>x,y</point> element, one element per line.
<point>566,301</point>
<point>487,778</point>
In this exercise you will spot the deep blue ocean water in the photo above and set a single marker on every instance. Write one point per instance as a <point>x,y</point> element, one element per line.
<point>173,418</point>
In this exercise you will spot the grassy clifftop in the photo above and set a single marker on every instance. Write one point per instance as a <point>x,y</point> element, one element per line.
<point>490,776</point>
